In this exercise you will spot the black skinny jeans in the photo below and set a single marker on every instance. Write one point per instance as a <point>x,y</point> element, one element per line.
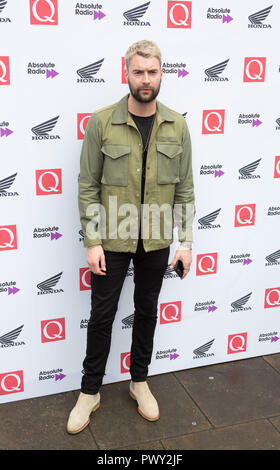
<point>149,268</point>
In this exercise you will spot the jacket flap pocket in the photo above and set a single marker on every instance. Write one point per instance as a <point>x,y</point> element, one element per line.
<point>115,150</point>
<point>170,150</point>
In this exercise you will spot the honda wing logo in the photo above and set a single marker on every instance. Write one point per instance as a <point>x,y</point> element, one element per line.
<point>216,70</point>
<point>86,73</point>
<point>8,338</point>
<point>202,350</point>
<point>257,18</point>
<point>42,130</point>
<point>3,3</point>
<point>6,183</point>
<point>239,304</point>
<point>132,16</point>
<point>128,321</point>
<point>247,170</point>
<point>207,220</point>
<point>46,287</point>
<point>273,257</point>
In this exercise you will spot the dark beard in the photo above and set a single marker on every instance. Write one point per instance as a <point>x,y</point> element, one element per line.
<point>136,94</point>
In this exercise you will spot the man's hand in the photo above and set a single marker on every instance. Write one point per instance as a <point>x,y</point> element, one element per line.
<point>96,259</point>
<point>185,255</point>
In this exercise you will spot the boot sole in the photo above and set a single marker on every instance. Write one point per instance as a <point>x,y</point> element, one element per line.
<point>140,411</point>
<point>86,423</point>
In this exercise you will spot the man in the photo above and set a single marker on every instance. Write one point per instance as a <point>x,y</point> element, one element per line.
<point>136,158</point>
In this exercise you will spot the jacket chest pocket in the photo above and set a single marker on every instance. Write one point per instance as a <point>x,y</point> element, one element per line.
<point>115,165</point>
<point>168,163</point>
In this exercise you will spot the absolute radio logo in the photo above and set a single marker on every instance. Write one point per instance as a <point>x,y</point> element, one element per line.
<point>48,182</point>
<point>41,131</point>
<point>4,70</point>
<point>170,312</point>
<point>206,264</point>
<point>5,184</point>
<point>177,68</point>
<point>85,279</point>
<point>219,14</point>
<point>4,129</point>
<point>50,233</point>
<point>3,18</point>
<point>208,306</point>
<point>214,169</point>
<point>170,354</point>
<point>87,73</point>
<point>213,73</point>
<point>53,330</point>
<point>82,120</point>
<point>254,69</point>
<point>272,337</point>
<point>133,15</point>
<point>237,343</point>
<point>213,121</point>
<point>9,287</point>
<point>273,210</point>
<point>257,19</point>
<point>56,374</point>
<point>244,215</point>
<point>243,258</point>
<point>89,10</point>
<point>8,237</point>
<point>11,382</point>
<point>43,12</point>
<point>179,14</point>
<point>248,171</point>
<point>272,297</point>
<point>253,119</point>
<point>206,222</point>
<point>46,68</point>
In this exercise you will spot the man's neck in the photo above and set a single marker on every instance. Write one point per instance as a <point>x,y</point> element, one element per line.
<point>141,109</point>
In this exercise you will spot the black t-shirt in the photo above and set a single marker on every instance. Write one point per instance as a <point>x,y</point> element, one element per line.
<point>144,126</point>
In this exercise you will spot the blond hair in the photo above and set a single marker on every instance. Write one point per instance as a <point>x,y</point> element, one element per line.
<point>143,48</point>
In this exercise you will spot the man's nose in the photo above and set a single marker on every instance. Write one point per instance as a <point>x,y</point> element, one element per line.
<point>146,78</point>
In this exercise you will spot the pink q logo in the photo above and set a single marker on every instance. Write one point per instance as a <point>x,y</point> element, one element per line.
<point>43,12</point>
<point>48,182</point>
<point>179,14</point>
<point>11,382</point>
<point>53,330</point>
<point>245,215</point>
<point>213,121</point>
<point>4,71</point>
<point>237,343</point>
<point>170,312</point>
<point>277,167</point>
<point>272,297</point>
<point>8,237</point>
<point>254,69</point>
<point>85,279</point>
<point>125,362</point>
<point>82,120</point>
<point>206,264</point>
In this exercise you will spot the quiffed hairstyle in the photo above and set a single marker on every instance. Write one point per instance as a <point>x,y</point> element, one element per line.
<point>145,49</point>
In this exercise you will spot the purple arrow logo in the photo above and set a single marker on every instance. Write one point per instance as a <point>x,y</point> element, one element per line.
<point>5,132</point>
<point>51,73</point>
<point>182,73</point>
<point>59,376</point>
<point>174,356</point>
<point>274,338</point>
<point>227,18</point>
<point>247,261</point>
<point>55,236</point>
<point>98,15</point>
<point>218,173</point>
<point>212,308</point>
<point>13,290</point>
<point>256,122</point>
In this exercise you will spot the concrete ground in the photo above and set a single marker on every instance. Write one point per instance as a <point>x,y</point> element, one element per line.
<point>229,406</point>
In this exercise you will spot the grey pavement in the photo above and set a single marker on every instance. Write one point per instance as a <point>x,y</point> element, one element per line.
<point>229,406</point>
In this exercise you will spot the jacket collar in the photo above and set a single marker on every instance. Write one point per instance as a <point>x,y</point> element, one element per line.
<point>120,114</point>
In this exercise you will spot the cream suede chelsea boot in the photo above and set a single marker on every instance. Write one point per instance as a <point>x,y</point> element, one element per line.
<point>79,416</point>
<point>147,404</point>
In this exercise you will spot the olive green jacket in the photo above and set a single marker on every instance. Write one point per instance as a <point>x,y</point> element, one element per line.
<point>111,175</point>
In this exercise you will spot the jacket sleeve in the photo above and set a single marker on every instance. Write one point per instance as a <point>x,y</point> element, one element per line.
<point>184,199</point>
<point>91,164</point>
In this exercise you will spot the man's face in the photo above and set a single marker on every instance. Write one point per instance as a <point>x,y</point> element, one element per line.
<point>144,78</point>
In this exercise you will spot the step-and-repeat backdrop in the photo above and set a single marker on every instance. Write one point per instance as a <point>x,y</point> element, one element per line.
<point>60,60</point>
